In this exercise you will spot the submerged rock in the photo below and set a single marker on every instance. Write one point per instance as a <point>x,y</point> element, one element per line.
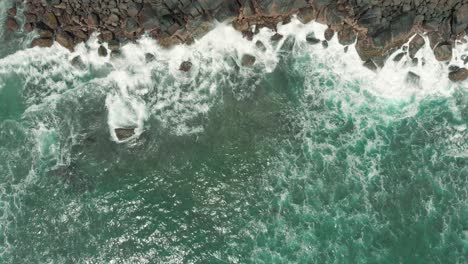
<point>276,37</point>
<point>248,60</point>
<point>311,39</point>
<point>11,24</point>
<point>102,51</point>
<point>185,66</point>
<point>412,78</point>
<point>458,75</point>
<point>149,57</point>
<point>124,133</point>
<point>260,45</point>
<point>77,62</point>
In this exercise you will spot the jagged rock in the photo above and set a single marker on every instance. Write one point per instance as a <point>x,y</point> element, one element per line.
<point>311,39</point>
<point>124,133</point>
<point>329,34</point>
<point>50,20</point>
<point>443,51</point>
<point>185,66</point>
<point>42,42</point>
<point>276,37</point>
<point>458,75</point>
<point>78,63</point>
<point>415,45</point>
<point>11,24</point>
<point>399,56</point>
<point>65,39</point>
<point>248,60</point>
<point>412,78</point>
<point>369,64</point>
<point>102,51</point>
<point>346,36</point>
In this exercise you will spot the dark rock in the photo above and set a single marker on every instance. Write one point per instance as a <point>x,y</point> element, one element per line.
<point>325,44</point>
<point>185,66</point>
<point>346,36</point>
<point>12,11</point>
<point>248,60</point>
<point>460,19</point>
<point>260,45</point>
<point>276,37</point>
<point>369,64</point>
<point>115,54</point>
<point>459,75</point>
<point>399,56</point>
<point>415,45</point>
<point>65,39</point>
<point>11,24</point>
<point>113,45</point>
<point>78,63</point>
<point>443,51</point>
<point>306,15</point>
<point>124,133</point>
<point>412,78</point>
<point>102,51</point>
<point>311,39</point>
<point>329,34</point>
<point>92,20</point>
<point>50,20</point>
<point>42,42</point>
<point>149,57</point>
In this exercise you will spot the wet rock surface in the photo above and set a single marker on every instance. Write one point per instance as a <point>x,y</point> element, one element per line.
<point>377,27</point>
<point>124,133</point>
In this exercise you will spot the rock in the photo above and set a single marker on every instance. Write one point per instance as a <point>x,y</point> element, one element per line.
<point>399,56</point>
<point>42,42</point>
<point>325,44</point>
<point>124,133</point>
<point>248,60</point>
<point>92,20</point>
<point>412,78</point>
<point>369,64</point>
<point>460,19</point>
<point>458,75</point>
<point>185,66</point>
<point>113,45</point>
<point>415,45</point>
<point>65,39</point>
<point>443,51</point>
<point>260,45</point>
<point>11,24</point>
<point>311,39</point>
<point>12,11</point>
<point>276,37</point>
<point>78,63</point>
<point>346,36</point>
<point>50,20</point>
<point>329,34</point>
<point>102,51</point>
<point>149,57</point>
<point>306,15</point>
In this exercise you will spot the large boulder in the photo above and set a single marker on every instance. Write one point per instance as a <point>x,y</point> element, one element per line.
<point>248,60</point>
<point>65,39</point>
<point>460,21</point>
<point>11,24</point>
<point>50,20</point>
<point>124,133</point>
<point>415,45</point>
<point>42,42</point>
<point>185,66</point>
<point>443,51</point>
<point>458,75</point>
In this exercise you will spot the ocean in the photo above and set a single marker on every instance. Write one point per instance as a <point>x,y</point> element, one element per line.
<point>305,157</point>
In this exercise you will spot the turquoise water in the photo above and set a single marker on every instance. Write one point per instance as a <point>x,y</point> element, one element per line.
<point>300,159</point>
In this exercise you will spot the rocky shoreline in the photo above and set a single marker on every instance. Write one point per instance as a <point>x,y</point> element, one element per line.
<point>378,27</point>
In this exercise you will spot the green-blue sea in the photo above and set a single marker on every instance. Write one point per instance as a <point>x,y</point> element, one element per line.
<point>304,157</point>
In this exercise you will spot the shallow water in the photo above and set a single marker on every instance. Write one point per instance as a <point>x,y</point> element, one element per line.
<point>307,157</point>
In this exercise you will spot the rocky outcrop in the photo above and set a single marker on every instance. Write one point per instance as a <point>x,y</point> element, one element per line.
<point>378,27</point>
<point>124,133</point>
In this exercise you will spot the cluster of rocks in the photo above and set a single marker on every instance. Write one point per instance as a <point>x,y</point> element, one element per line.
<point>378,27</point>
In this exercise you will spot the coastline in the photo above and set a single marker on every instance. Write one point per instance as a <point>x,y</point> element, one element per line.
<point>378,28</point>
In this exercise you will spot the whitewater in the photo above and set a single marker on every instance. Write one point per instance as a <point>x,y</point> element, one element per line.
<point>305,157</point>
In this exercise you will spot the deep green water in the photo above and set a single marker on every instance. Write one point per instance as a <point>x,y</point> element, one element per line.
<point>292,161</point>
